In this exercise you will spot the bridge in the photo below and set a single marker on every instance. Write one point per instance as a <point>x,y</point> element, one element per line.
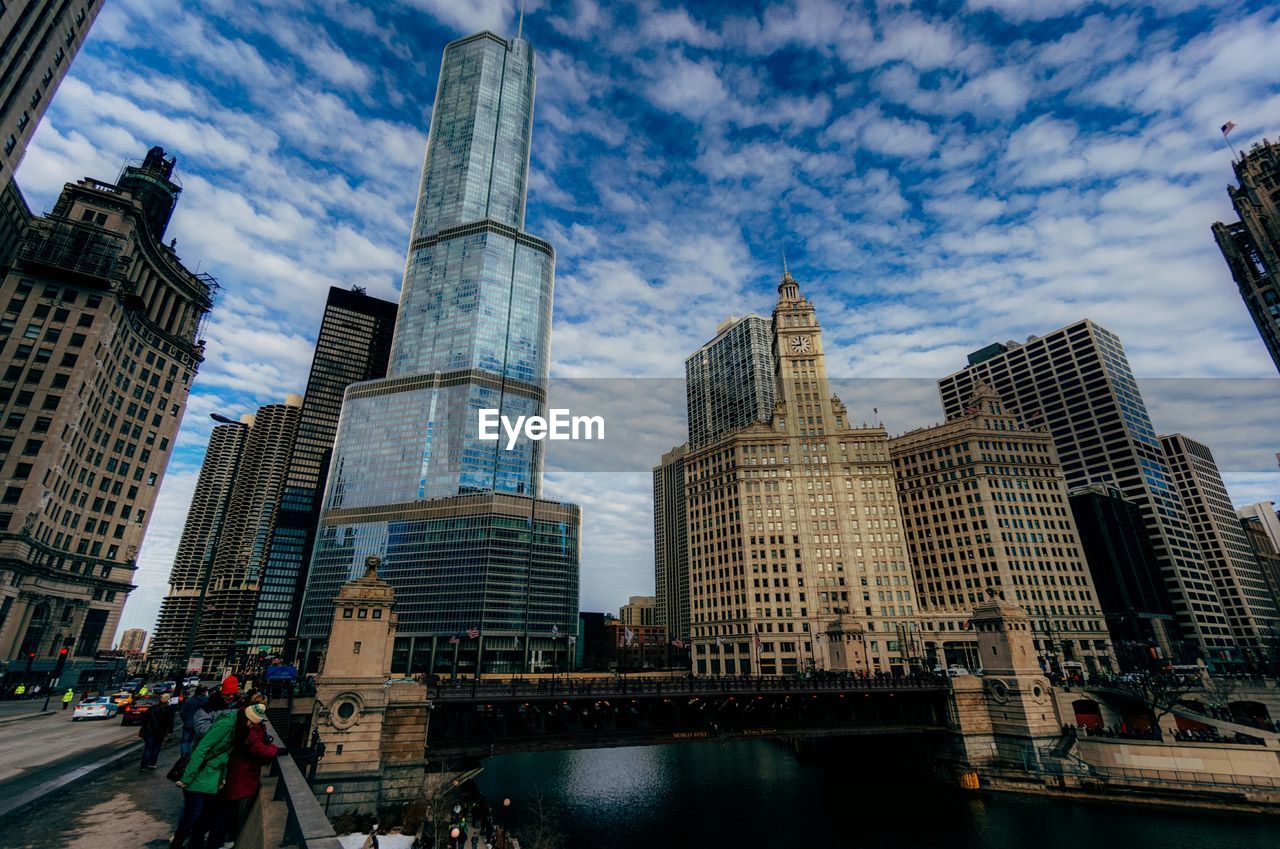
<point>479,718</point>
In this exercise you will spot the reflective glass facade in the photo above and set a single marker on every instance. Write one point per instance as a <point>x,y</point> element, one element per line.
<point>472,332</point>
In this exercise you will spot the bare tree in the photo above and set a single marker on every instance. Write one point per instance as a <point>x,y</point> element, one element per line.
<point>542,831</point>
<point>1220,690</point>
<point>439,794</point>
<point>1160,692</point>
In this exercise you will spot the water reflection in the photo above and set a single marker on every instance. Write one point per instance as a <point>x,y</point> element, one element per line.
<point>760,794</point>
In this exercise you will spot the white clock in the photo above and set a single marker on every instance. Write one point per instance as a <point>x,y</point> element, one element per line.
<point>801,345</point>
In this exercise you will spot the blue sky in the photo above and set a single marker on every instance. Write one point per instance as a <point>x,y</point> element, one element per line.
<point>941,175</point>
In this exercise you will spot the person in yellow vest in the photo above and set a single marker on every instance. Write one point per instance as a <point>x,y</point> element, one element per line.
<point>67,697</point>
<point>21,691</point>
<point>143,691</point>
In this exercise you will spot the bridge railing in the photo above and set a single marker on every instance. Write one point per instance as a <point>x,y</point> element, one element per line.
<point>306,826</point>
<point>464,689</point>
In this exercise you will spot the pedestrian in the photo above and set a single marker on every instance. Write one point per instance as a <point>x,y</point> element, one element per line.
<point>67,697</point>
<point>20,691</point>
<point>251,749</point>
<point>189,710</point>
<point>157,723</point>
<point>371,842</point>
<point>204,774</point>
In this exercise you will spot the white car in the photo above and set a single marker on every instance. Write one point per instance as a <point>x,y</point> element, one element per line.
<point>956,671</point>
<point>99,708</point>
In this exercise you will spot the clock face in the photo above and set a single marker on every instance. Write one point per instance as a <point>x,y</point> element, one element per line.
<point>801,345</point>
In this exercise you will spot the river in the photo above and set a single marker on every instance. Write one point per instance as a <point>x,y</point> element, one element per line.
<point>760,794</point>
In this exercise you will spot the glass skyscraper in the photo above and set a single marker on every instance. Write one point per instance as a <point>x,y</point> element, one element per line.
<point>472,332</point>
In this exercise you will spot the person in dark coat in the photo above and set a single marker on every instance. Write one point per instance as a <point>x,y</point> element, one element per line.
<point>251,750</point>
<point>189,710</point>
<point>157,724</point>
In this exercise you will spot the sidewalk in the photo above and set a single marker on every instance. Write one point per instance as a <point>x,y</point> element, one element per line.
<point>116,807</point>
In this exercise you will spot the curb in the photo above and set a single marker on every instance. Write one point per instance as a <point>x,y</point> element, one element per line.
<point>15,803</point>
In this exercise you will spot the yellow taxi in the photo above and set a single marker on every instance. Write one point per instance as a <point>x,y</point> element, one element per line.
<point>122,698</point>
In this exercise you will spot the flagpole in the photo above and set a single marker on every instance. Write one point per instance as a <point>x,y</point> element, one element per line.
<point>1226,136</point>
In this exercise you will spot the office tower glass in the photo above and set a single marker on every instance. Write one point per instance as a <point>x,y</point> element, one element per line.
<point>1241,588</point>
<point>353,345</point>
<point>1077,382</point>
<point>729,382</point>
<point>463,537</point>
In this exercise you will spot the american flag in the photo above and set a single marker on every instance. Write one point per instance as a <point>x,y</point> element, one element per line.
<point>967,626</point>
<point>757,639</point>
<point>629,635</point>
<point>1228,127</point>
<point>555,631</point>
<point>678,643</point>
<point>719,642</point>
<point>455,639</point>
<point>472,633</point>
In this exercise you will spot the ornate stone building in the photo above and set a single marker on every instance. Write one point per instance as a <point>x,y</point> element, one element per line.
<point>793,523</point>
<point>984,504</point>
<point>100,327</point>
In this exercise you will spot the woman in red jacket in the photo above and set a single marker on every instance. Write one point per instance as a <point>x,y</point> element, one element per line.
<point>251,750</point>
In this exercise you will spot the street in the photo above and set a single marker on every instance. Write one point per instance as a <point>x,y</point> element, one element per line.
<point>40,748</point>
<point>115,807</point>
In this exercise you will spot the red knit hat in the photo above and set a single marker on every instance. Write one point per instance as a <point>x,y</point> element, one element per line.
<point>230,685</point>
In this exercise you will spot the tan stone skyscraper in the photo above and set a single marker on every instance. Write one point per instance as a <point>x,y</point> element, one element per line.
<point>984,504</point>
<point>793,523</point>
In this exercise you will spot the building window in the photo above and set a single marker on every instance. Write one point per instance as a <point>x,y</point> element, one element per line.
<point>10,143</point>
<point>346,613</point>
<point>355,648</point>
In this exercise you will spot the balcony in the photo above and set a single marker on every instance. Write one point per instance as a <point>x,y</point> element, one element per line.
<point>80,250</point>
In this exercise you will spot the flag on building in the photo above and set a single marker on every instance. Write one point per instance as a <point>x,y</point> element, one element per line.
<point>678,643</point>
<point>756,639</point>
<point>719,642</point>
<point>555,631</point>
<point>455,639</point>
<point>629,635</point>
<point>472,633</point>
<point>1228,127</point>
<point>573,640</point>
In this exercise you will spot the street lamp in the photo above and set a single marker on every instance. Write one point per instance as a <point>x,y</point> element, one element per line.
<point>328,797</point>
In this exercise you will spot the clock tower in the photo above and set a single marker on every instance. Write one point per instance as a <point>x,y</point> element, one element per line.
<point>802,386</point>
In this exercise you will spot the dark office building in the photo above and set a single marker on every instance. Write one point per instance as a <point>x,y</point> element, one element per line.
<point>353,345</point>
<point>1126,574</point>
<point>594,651</point>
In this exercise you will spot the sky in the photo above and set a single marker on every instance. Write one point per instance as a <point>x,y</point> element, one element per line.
<point>940,176</point>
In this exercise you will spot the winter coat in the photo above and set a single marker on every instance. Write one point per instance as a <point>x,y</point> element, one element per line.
<point>158,722</point>
<point>244,769</point>
<point>207,769</point>
<point>190,708</point>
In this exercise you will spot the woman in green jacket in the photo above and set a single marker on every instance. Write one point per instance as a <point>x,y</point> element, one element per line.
<point>201,780</point>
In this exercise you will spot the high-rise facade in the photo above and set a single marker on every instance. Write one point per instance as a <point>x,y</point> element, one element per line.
<point>174,637</point>
<point>352,345</point>
<point>100,324</point>
<point>794,525</point>
<point>240,556</point>
<point>1251,246</point>
<point>984,506</point>
<point>1125,573</point>
<point>132,641</point>
<point>464,539</point>
<point>1267,555</point>
<point>1077,382</point>
<point>729,382</point>
<point>671,545</point>
<point>639,610</point>
<point>38,40</point>
<point>1241,588</point>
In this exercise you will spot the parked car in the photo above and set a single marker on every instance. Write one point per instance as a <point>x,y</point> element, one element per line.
<point>98,708</point>
<point>132,685</point>
<point>136,709</point>
<point>956,671</point>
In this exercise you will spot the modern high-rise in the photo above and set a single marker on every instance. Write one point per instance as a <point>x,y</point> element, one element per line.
<point>729,382</point>
<point>353,345</point>
<point>464,538</point>
<point>1126,574</point>
<point>174,637</point>
<point>1267,555</point>
<point>984,506</point>
<point>671,545</point>
<point>100,326</point>
<point>1251,246</point>
<point>1241,588</point>
<point>1077,382</point>
<point>240,556</point>
<point>794,527</point>
<point>38,40</point>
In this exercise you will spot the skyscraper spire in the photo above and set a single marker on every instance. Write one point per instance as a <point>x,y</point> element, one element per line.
<point>520,25</point>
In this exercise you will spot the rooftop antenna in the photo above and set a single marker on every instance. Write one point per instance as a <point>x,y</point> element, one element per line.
<point>520,25</point>
<point>785,272</point>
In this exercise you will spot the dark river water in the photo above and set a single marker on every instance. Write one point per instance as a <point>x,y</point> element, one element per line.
<point>760,794</point>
